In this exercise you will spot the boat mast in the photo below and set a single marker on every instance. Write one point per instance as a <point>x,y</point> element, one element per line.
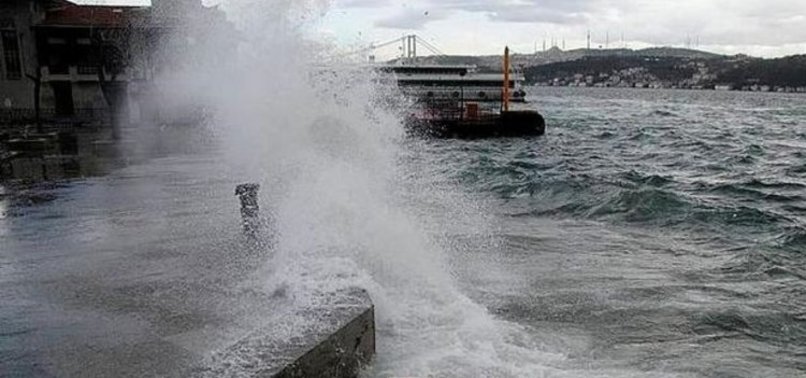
<point>505,92</point>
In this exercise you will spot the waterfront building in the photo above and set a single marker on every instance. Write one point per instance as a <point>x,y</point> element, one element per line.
<point>81,63</point>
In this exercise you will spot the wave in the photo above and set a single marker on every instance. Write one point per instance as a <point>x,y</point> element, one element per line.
<point>606,135</point>
<point>741,159</point>
<point>796,170</point>
<point>639,135</point>
<point>643,205</point>
<point>646,179</point>
<point>755,150</point>
<point>763,326</point>
<point>775,185</point>
<point>646,199</point>
<point>662,113</point>
<point>794,239</point>
<point>738,216</point>
<point>754,189</point>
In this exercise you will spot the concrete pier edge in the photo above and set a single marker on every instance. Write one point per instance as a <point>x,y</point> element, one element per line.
<point>333,339</point>
<point>343,354</point>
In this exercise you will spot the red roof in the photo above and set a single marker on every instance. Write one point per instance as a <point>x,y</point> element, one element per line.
<point>73,15</point>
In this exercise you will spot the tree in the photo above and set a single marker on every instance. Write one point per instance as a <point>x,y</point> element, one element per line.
<point>113,56</point>
<point>37,79</point>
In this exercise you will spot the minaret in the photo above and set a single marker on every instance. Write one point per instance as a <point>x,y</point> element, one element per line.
<point>589,39</point>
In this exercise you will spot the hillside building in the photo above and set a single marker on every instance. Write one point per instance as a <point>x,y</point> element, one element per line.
<point>81,63</point>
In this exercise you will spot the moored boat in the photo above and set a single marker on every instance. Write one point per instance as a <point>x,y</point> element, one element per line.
<point>428,83</point>
<point>458,101</point>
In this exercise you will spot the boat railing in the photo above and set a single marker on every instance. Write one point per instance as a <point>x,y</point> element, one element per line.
<point>455,111</point>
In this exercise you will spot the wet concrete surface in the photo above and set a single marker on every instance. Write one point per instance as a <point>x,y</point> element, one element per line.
<point>334,338</point>
<point>144,272</point>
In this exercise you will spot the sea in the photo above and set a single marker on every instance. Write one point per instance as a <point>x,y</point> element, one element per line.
<point>649,233</point>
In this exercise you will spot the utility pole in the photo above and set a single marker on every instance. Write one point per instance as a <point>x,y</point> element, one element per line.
<point>589,39</point>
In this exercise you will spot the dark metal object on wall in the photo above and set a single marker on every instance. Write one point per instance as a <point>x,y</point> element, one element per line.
<point>250,210</point>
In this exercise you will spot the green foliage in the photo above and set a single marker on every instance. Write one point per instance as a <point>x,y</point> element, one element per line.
<point>663,68</point>
<point>789,71</point>
<point>738,71</point>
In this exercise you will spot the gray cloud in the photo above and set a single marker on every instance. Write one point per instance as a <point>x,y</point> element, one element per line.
<point>412,18</point>
<point>537,11</point>
<point>729,23</point>
<point>537,16</point>
<point>363,3</point>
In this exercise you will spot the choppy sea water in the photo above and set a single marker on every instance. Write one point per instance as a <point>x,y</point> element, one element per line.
<point>648,233</point>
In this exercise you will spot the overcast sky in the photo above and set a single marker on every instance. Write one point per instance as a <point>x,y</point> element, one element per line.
<point>758,27</point>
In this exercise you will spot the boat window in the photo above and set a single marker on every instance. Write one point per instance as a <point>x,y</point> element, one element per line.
<point>426,70</point>
<point>455,83</point>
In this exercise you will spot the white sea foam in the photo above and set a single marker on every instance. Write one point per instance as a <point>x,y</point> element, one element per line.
<point>330,161</point>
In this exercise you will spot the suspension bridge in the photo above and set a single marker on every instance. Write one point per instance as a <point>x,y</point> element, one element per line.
<point>407,48</point>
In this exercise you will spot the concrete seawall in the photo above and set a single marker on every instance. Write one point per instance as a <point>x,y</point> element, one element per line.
<point>332,339</point>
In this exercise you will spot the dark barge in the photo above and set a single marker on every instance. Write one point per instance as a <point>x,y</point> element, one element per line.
<point>508,123</point>
<point>458,102</point>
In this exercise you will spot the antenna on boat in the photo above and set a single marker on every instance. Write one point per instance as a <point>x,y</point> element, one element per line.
<point>505,92</point>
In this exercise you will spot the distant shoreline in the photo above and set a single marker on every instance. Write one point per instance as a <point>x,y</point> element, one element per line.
<point>711,89</point>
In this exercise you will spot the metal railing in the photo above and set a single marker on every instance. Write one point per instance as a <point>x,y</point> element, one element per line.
<point>10,117</point>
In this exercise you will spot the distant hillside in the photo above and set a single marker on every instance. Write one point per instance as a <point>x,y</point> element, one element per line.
<point>671,52</point>
<point>673,71</point>
<point>555,55</point>
<point>788,71</point>
<point>670,68</point>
